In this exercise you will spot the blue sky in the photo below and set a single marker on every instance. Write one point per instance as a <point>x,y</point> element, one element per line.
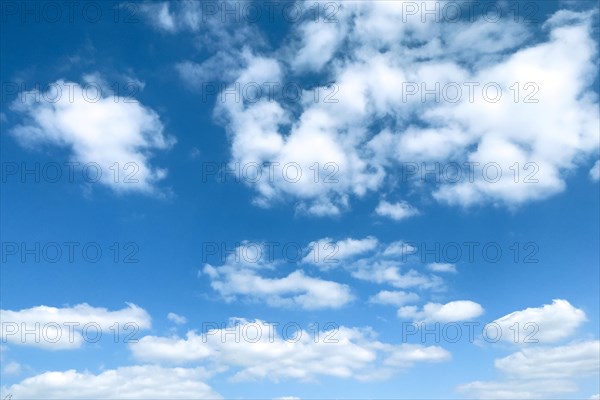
<point>364,231</point>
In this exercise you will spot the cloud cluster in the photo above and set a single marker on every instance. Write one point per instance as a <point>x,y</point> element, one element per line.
<point>251,349</point>
<point>260,352</point>
<point>135,382</point>
<point>61,328</point>
<point>239,277</point>
<point>248,272</point>
<point>369,260</point>
<point>537,122</point>
<point>539,370</point>
<point>220,39</point>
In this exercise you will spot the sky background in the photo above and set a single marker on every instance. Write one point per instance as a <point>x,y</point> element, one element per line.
<point>169,265</point>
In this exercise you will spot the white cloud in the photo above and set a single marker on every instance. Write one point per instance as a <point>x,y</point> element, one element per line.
<point>295,289</point>
<point>540,372</point>
<point>395,298</point>
<point>373,125</point>
<point>313,141</point>
<point>573,360</point>
<point>328,253</point>
<point>398,248</point>
<point>516,389</point>
<point>261,353</point>
<point>547,324</point>
<point>396,211</point>
<point>441,267</point>
<point>510,132</point>
<point>205,76</point>
<point>389,272</point>
<point>369,260</point>
<point>68,327</point>
<point>408,354</point>
<point>135,382</point>
<point>249,273</point>
<point>160,16</point>
<point>176,318</point>
<point>239,277</point>
<point>460,310</point>
<point>173,349</point>
<point>317,43</point>
<point>174,17</point>
<point>224,37</point>
<point>595,171</point>
<point>351,247</point>
<point>99,130</point>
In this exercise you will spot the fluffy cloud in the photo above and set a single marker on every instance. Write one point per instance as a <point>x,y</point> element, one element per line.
<point>260,352</point>
<point>61,328</point>
<point>389,272</point>
<point>572,360</point>
<point>317,43</point>
<point>369,260</point>
<point>460,310</point>
<point>239,277</point>
<point>249,272</point>
<point>121,383</point>
<point>394,298</point>
<point>547,324</point>
<point>370,121</point>
<point>540,372</point>
<point>328,253</point>
<point>176,318</point>
<point>396,211</point>
<point>110,135</point>
<point>441,267</point>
